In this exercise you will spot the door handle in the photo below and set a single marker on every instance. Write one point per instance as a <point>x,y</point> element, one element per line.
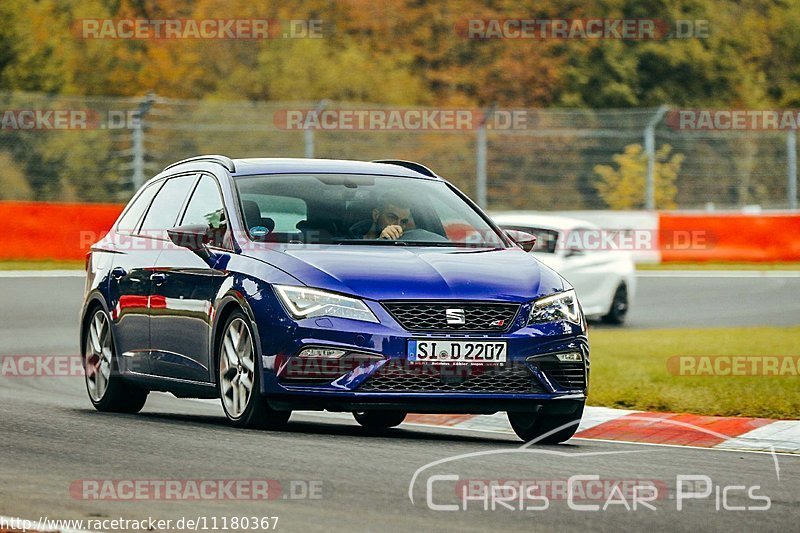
<point>118,273</point>
<point>158,278</point>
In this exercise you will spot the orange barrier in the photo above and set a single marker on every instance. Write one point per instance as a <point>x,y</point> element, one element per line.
<point>729,237</point>
<point>53,231</point>
<point>64,231</point>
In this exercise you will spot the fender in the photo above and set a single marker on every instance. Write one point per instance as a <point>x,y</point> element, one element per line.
<point>232,297</point>
<point>94,297</point>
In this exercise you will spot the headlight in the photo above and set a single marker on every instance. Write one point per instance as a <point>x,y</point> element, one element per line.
<point>555,308</point>
<point>309,303</point>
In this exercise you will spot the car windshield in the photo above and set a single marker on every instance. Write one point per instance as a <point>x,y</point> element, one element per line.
<point>360,209</point>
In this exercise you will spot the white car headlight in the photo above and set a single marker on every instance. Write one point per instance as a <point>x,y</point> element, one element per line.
<point>303,302</point>
<point>555,308</point>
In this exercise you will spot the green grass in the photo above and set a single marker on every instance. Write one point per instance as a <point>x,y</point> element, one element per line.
<point>41,265</point>
<point>719,266</point>
<point>629,370</point>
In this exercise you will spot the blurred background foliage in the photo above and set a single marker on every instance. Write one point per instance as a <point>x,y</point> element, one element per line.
<point>407,53</point>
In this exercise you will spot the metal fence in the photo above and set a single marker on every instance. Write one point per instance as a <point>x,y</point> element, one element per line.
<point>550,163</point>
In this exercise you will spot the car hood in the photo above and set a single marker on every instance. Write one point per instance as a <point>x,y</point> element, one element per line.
<point>411,272</point>
<point>554,261</point>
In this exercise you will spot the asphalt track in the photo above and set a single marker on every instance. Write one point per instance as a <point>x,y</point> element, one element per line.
<point>51,438</point>
<point>663,300</point>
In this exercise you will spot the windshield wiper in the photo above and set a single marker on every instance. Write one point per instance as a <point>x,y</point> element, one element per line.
<point>437,244</point>
<point>379,242</point>
<point>443,244</point>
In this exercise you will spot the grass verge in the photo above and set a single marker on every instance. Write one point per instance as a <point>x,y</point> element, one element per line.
<point>629,370</point>
<point>719,266</point>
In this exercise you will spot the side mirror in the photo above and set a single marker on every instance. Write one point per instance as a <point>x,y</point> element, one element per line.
<point>193,237</point>
<point>526,241</point>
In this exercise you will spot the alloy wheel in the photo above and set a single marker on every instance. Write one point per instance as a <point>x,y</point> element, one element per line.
<point>237,368</point>
<point>98,356</point>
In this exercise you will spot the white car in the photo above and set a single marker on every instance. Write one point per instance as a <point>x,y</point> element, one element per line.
<point>604,277</point>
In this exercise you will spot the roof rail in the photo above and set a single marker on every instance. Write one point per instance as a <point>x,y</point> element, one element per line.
<point>416,167</point>
<point>225,161</point>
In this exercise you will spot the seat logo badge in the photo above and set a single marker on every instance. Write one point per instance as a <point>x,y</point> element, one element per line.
<point>455,317</point>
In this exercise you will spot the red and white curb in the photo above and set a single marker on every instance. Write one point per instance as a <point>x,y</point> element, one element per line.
<point>602,423</point>
<point>622,425</point>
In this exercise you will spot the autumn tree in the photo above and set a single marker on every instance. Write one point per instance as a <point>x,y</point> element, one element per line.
<point>401,52</point>
<point>624,187</point>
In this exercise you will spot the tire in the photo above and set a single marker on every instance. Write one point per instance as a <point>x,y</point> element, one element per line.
<point>377,420</point>
<point>619,306</point>
<point>238,378</point>
<point>546,425</point>
<point>107,390</point>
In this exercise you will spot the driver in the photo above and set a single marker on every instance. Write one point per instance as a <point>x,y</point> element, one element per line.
<point>391,218</point>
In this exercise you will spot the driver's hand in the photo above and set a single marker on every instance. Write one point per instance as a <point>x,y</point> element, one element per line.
<point>391,233</point>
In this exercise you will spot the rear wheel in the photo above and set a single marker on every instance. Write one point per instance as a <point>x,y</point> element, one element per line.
<point>239,381</point>
<point>107,390</point>
<point>380,419</point>
<point>619,306</point>
<point>548,425</point>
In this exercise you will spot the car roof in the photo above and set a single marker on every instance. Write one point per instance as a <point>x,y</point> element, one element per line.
<point>539,220</point>
<point>265,165</point>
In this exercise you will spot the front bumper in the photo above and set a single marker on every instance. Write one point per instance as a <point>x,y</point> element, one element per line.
<point>530,350</point>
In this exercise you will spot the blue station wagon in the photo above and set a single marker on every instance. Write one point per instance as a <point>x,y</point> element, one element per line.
<point>376,288</point>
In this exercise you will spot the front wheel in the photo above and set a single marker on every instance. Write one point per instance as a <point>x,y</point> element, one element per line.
<point>379,419</point>
<point>619,306</point>
<point>107,390</point>
<point>551,424</point>
<point>239,380</point>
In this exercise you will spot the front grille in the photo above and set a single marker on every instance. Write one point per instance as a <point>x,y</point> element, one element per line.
<point>566,375</point>
<point>432,316</point>
<point>434,378</point>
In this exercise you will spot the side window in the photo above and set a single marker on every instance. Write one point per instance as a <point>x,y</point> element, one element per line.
<point>167,204</point>
<point>206,209</point>
<point>287,212</point>
<point>134,213</point>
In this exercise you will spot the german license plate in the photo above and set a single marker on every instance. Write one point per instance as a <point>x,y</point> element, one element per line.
<point>457,351</point>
